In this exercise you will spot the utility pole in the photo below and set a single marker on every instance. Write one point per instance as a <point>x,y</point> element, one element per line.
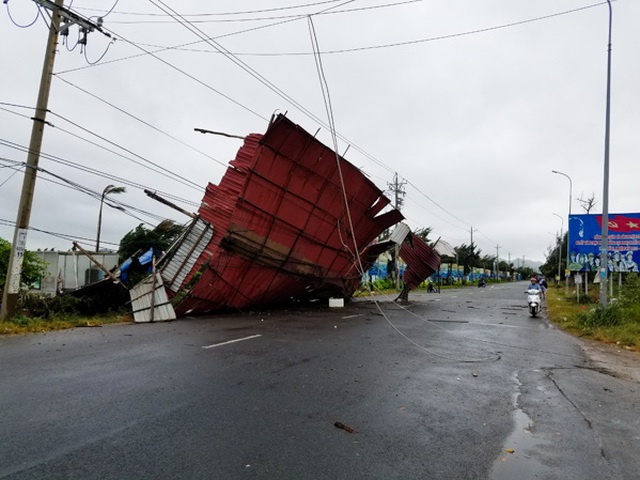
<point>18,247</point>
<point>497,261</point>
<point>397,189</point>
<point>471,256</point>
<point>14,270</point>
<point>604,245</point>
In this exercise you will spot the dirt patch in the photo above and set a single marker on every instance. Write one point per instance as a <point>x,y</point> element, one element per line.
<point>619,361</point>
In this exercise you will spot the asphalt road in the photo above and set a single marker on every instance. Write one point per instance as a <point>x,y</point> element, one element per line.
<point>457,385</point>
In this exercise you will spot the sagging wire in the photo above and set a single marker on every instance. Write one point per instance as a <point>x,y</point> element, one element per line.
<point>327,101</point>
<point>324,87</point>
<point>38,13</point>
<point>86,58</point>
<point>413,342</point>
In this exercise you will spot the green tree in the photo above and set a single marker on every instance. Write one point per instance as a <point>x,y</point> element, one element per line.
<point>33,267</point>
<point>468,257</point>
<point>554,253</point>
<point>142,238</point>
<point>423,233</point>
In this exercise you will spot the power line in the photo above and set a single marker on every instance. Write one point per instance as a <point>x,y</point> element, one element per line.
<point>160,169</point>
<point>92,171</point>
<point>246,12</point>
<point>121,110</point>
<point>364,48</point>
<point>371,157</point>
<point>197,18</point>
<point>64,236</point>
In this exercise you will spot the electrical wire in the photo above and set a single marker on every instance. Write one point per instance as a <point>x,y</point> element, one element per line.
<point>246,12</point>
<point>38,13</point>
<point>158,168</point>
<point>258,19</point>
<point>104,53</point>
<point>382,164</point>
<point>324,87</point>
<point>138,119</point>
<point>63,236</point>
<point>67,183</point>
<point>96,172</point>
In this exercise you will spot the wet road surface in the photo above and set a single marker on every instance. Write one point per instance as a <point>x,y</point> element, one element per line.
<point>458,385</point>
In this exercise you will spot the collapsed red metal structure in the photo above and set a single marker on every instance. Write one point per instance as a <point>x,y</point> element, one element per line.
<point>291,220</point>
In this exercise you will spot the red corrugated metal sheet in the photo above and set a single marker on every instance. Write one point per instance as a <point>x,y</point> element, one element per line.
<point>280,225</point>
<point>422,261</point>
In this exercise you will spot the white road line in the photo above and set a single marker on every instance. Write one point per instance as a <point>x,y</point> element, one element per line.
<point>231,341</point>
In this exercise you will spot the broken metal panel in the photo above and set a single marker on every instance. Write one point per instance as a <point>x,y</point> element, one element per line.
<point>422,261</point>
<point>281,224</point>
<point>149,301</point>
<point>444,248</point>
<point>400,233</point>
<point>189,249</point>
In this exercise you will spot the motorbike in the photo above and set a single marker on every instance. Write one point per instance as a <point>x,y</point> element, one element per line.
<point>534,301</point>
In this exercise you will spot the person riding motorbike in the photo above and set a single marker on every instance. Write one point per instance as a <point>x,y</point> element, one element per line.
<point>534,285</point>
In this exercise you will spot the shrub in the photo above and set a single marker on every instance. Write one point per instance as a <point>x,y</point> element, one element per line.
<point>602,317</point>
<point>42,306</point>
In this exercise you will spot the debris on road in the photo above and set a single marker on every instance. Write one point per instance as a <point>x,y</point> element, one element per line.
<point>345,427</point>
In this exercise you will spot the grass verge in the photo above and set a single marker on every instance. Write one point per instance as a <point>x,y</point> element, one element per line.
<point>23,324</point>
<point>618,324</point>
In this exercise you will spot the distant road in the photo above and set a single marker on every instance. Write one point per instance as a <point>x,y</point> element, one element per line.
<point>457,385</point>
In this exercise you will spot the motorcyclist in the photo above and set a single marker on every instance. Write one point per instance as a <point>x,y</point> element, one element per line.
<point>534,285</point>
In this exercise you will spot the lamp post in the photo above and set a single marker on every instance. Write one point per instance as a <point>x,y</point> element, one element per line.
<point>566,277</point>
<point>605,192</point>
<point>560,246</point>
<point>107,190</point>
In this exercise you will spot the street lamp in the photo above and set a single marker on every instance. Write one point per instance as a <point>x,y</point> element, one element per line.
<point>605,194</point>
<point>560,246</point>
<point>107,190</point>
<point>566,277</point>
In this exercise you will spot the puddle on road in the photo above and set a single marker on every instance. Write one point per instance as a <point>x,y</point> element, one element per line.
<point>517,464</point>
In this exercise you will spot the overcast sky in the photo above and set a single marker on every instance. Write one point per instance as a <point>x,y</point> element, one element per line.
<point>472,102</point>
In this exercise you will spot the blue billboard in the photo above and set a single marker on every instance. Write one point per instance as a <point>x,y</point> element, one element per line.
<point>585,237</point>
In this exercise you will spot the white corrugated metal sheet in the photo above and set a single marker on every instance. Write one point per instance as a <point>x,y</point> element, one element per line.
<point>444,248</point>
<point>400,233</point>
<point>144,294</point>
<point>191,246</point>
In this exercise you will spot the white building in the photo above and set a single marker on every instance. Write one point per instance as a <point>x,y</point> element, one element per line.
<point>71,270</point>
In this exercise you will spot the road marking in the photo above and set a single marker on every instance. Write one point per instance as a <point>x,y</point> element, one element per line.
<point>231,341</point>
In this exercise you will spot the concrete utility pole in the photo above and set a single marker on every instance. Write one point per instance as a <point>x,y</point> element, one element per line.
<point>471,229</point>
<point>14,270</point>
<point>497,261</point>
<point>397,189</point>
<point>18,247</point>
<point>604,257</point>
